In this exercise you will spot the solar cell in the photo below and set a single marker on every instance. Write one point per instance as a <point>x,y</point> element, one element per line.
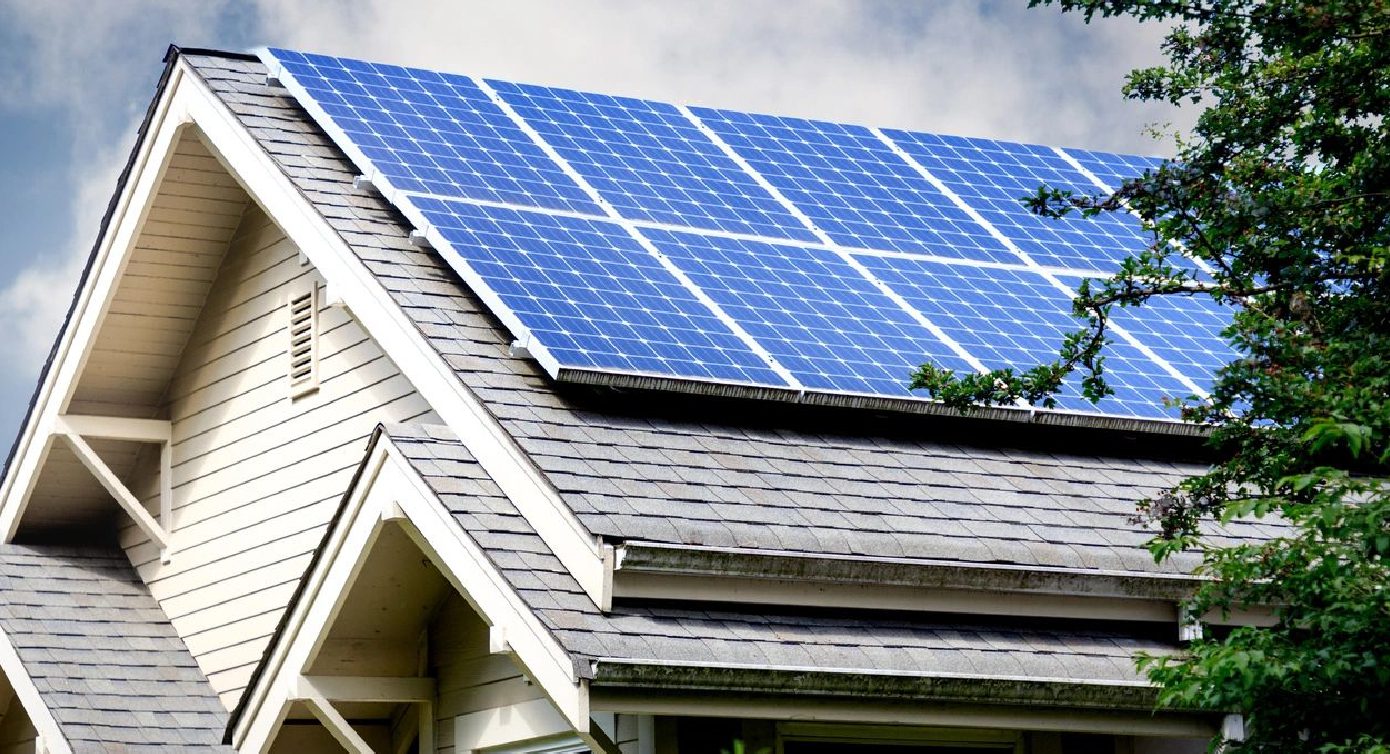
<point>819,318</point>
<point>852,186</point>
<point>1114,169</point>
<point>591,295</point>
<point>1011,318</point>
<point>650,162</point>
<point>428,132</point>
<point>993,177</point>
<point>1184,331</point>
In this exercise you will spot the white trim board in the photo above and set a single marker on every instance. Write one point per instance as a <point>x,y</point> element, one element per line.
<point>389,490</point>
<point>50,736</point>
<point>188,102</point>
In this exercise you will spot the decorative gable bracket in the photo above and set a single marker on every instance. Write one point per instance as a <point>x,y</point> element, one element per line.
<point>75,429</point>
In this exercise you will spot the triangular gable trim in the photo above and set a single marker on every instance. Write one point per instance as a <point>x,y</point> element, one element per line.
<point>186,100</point>
<point>119,230</point>
<point>386,490</point>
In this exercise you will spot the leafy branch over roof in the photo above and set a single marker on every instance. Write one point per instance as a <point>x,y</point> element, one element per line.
<point>1277,205</point>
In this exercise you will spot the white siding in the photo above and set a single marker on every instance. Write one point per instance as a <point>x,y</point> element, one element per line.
<point>469,677</point>
<point>256,475</point>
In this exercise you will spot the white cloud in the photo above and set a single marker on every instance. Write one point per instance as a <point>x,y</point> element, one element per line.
<point>92,64</point>
<point>960,66</point>
<point>33,304</point>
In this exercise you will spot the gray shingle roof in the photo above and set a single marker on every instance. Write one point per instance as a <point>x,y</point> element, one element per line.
<point>721,482</point>
<point>654,634</point>
<point>103,656</point>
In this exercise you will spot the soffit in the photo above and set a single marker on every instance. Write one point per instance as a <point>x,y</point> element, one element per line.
<point>186,231</point>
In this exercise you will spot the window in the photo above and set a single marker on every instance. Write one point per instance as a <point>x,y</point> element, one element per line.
<point>303,309</point>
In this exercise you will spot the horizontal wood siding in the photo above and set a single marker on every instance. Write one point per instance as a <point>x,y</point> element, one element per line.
<point>469,678</point>
<point>256,475</point>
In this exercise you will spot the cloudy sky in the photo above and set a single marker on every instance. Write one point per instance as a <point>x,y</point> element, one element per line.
<point>75,77</point>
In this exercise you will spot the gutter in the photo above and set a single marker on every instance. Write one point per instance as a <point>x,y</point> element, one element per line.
<point>657,559</point>
<point>861,684</point>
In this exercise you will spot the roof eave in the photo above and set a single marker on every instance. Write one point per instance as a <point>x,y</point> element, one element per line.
<point>686,560</point>
<point>665,676</point>
<point>1007,415</point>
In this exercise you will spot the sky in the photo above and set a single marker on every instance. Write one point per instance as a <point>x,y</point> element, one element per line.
<point>76,77</point>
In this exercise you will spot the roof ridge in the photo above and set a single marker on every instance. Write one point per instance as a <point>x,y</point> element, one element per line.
<point>175,51</point>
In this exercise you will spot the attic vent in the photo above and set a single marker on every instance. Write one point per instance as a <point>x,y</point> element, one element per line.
<point>303,309</point>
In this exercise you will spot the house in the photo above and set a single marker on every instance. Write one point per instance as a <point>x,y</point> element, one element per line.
<point>301,475</point>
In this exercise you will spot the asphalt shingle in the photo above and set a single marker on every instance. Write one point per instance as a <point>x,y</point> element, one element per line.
<point>105,660</point>
<point>768,637</point>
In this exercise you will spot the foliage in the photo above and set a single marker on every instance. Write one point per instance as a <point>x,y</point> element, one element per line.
<point>1278,206</point>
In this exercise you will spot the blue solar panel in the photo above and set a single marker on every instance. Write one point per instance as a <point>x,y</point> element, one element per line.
<point>993,177</point>
<point>591,295</point>
<point>433,133</point>
<point>853,186</point>
<point>1010,318</point>
<point>1184,331</point>
<point>1114,169</point>
<point>651,163</point>
<point>820,319</point>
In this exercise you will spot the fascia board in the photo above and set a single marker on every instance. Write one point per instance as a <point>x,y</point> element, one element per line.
<point>493,447</point>
<point>390,490</point>
<point>92,301</point>
<point>843,596</point>
<point>854,713</point>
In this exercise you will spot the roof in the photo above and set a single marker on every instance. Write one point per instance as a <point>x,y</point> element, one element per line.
<point>105,660</point>
<point>637,644</point>
<point>742,474</point>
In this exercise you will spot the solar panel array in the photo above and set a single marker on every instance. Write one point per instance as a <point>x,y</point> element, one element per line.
<point>617,236</point>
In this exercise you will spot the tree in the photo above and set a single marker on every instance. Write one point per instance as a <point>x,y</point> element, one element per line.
<point>1282,192</point>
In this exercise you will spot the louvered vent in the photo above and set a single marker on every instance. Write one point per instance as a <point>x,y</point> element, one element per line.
<point>303,309</point>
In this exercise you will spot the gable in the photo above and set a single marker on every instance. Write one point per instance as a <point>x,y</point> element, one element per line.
<point>171,395</point>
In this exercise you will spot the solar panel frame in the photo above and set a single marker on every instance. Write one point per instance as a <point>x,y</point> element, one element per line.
<point>1016,319</point>
<point>995,177</point>
<point>580,269</point>
<point>1183,330</point>
<point>1113,169</point>
<point>397,140</point>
